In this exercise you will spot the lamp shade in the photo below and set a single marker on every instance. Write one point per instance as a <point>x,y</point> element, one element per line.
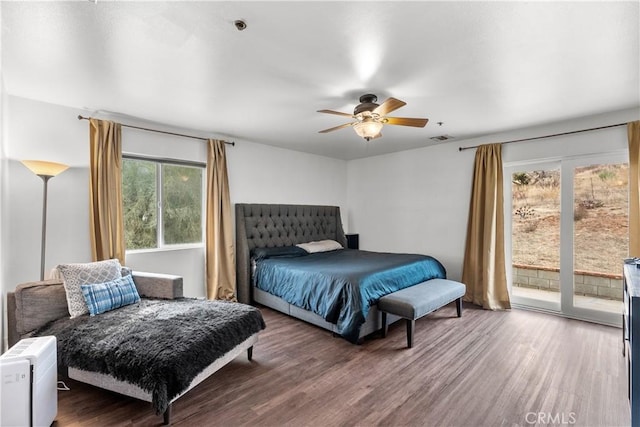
<point>42,168</point>
<point>368,128</point>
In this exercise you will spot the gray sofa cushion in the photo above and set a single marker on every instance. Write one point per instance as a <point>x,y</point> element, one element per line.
<point>152,285</point>
<point>38,303</point>
<point>32,305</point>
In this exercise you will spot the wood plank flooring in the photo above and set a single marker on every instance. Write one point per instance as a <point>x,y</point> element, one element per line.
<point>486,368</point>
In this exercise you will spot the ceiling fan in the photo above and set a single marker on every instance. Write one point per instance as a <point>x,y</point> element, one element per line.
<point>370,117</point>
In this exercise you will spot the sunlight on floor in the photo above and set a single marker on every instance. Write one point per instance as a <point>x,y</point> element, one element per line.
<point>592,303</point>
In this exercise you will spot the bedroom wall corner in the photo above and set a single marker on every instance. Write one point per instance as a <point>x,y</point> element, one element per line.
<point>413,202</point>
<point>418,200</point>
<point>260,173</point>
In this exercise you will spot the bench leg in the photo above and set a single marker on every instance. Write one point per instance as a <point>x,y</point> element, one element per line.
<point>411,325</point>
<point>250,353</point>
<point>385,327</point>
<point>459,306</point>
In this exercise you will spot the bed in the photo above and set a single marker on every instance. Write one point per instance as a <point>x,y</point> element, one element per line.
<point>154,350</point>
<point>337,290</point>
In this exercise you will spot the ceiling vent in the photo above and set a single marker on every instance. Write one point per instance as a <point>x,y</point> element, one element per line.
<point>441,138</point>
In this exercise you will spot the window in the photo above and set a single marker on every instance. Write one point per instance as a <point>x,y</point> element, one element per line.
<point>162,203</point>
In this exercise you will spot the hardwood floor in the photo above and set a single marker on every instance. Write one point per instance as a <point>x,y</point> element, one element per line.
<point>486,368</point>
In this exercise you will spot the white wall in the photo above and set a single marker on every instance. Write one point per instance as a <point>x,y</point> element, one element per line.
<point>257,173</point>
<point>418,200</point>
<point>36,130</point>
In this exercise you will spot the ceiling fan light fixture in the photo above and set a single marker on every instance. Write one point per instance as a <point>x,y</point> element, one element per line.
<point>370,117</point>
<point>368,129</point>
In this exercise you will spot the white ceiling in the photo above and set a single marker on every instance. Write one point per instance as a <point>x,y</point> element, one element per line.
<point>479,67</point>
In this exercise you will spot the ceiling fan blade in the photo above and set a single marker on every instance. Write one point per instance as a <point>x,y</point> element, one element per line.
<point>404,121</point>
<point>337,113</point>
<point>391,104</point>
<point>336,128</point>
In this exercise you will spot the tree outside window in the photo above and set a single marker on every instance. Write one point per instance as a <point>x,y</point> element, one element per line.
<point>176,219</point>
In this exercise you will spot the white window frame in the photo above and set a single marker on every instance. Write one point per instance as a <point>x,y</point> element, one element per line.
<point>566,164</point>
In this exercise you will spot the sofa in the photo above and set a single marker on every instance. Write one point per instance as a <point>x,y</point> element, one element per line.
<point>41,308</point>
<point>34,304</point>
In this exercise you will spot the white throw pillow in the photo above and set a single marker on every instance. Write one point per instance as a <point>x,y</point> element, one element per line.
<point>76,275</point>
<point>320,246</point>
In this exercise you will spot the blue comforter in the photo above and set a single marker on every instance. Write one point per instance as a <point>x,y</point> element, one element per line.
<point>341,285</point>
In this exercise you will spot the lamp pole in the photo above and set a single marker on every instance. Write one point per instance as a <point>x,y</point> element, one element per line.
<point>45,180</point>
<point>46,171</point>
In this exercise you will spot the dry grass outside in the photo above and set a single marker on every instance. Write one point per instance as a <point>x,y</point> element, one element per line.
<point>601,237</point>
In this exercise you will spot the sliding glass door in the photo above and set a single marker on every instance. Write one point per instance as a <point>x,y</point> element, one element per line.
<point>533,223</point>
<point>568,226</point>
<point>597,236</point>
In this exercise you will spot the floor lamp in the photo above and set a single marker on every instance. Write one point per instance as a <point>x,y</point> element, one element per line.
<point>46,171</point>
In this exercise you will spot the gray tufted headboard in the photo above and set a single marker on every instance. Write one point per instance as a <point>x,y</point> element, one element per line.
<point>267,226</point>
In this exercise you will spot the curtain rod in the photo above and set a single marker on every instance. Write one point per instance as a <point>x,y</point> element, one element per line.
<point>547,136</point>
<point>161,131</point>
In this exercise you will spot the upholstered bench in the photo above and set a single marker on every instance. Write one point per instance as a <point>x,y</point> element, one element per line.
<point>416,301</point>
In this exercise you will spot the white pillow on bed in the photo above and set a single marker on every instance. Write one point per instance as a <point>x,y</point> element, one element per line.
<point>320,246</point>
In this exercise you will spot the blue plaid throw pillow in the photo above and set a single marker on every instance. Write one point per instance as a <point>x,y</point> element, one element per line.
<point>101,297</point>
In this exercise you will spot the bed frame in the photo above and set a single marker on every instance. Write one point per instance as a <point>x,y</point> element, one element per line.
<point>275,225</point>
<point>110,383</point>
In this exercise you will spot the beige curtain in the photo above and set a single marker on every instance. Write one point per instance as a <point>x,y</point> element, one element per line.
<point>220,257</point>
<point>105,182</point>
<point>484,266</point>
<point>633,131</point>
